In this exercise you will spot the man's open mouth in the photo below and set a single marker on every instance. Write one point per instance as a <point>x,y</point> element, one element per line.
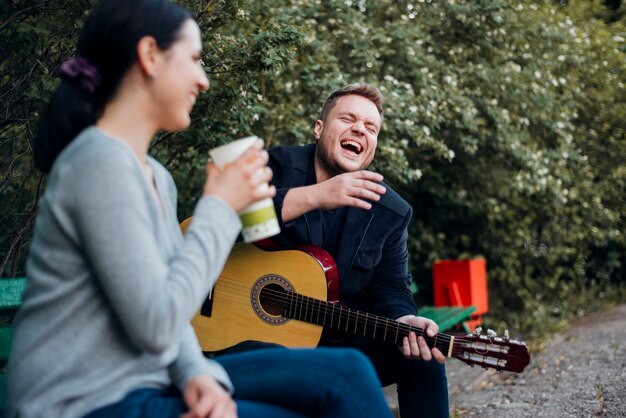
<point>352,146</point>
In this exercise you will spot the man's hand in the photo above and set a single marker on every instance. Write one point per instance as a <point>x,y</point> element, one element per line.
<point>347,189</point>
<point>206,398</point>
<point>414,347</point>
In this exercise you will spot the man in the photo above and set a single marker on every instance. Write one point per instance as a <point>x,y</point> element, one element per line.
<point>326,197</point>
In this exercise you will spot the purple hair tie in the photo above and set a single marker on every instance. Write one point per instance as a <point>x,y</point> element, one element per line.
<point>80,69</point>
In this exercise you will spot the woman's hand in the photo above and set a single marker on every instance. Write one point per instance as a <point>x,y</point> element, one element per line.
<point>242,182</point>
<point>206,398</point>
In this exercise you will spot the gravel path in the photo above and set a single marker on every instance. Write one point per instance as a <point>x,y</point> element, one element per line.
<point>580,373</point>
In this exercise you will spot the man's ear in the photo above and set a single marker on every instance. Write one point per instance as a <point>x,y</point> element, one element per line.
<point>319,127</point>
<point>147,56</point>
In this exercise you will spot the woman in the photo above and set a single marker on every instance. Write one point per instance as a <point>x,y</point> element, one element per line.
<point>112,285</point>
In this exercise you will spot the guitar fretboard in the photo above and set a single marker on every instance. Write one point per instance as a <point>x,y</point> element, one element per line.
<point>336,316</point>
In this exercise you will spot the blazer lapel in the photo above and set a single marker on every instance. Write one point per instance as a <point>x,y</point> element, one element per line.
<point>314,225</point>
<point>356,226</point>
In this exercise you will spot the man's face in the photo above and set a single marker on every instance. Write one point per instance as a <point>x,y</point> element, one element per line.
<point>347,140</point>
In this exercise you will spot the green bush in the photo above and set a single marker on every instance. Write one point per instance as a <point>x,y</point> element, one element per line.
<point>504,126</point>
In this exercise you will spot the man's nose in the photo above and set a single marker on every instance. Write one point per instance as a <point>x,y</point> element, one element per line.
<point>359,127</point>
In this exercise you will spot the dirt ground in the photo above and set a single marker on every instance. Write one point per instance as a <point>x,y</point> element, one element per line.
<point>580,373</point>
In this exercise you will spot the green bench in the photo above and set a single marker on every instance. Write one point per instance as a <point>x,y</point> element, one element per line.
<point>10,300</point>
<point>448,316</point>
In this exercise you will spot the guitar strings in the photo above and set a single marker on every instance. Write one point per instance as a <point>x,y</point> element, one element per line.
<point>286,300</point>
<point>311,306</point>
<point>281,297</point>
<point>371,322</point>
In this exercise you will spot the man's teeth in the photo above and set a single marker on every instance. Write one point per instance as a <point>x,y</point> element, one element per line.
<point>353,144</point>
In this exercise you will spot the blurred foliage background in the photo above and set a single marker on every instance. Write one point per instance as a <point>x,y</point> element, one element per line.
<point>504,126</point>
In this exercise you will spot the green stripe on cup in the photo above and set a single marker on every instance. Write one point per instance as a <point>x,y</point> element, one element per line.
<point>258,216</point>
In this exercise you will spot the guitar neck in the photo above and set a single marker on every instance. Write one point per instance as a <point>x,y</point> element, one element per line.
<point>336,316</point>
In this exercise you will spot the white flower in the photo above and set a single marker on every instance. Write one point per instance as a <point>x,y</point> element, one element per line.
<point>426,130</point>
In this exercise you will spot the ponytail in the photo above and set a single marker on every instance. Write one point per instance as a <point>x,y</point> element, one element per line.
<point>70,111</point>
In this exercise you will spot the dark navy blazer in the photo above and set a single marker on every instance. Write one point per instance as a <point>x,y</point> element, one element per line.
<point>372,256</point>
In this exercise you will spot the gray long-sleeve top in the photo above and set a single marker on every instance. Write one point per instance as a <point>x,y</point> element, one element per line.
<point>112,284</point>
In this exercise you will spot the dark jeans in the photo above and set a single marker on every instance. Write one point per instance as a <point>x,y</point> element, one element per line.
<point>422,385</point>
<point>278,383</point>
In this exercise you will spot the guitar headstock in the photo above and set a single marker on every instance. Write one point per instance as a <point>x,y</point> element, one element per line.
<point>491,351</point>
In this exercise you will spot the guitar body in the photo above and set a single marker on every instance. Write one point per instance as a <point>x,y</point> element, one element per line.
<point>236,312</point>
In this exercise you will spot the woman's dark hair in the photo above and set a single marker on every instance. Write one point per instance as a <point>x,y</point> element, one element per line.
<point>108,42</point>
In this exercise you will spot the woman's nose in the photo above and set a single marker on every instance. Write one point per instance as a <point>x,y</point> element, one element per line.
<point>203,82</point>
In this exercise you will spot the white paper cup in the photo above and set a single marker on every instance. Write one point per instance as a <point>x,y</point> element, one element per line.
<point>259,219</point>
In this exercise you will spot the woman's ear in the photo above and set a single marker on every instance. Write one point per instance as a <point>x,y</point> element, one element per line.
<point>147,56</point>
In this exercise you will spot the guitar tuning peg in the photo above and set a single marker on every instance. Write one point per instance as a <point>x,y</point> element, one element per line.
<point>477,331</point>
<point>491,333</point>
<point>506,335</point>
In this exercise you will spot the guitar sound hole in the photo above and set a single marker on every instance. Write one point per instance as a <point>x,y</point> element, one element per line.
<point>273,299</point>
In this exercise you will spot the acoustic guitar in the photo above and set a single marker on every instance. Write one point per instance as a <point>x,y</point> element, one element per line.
<point>288,297</point>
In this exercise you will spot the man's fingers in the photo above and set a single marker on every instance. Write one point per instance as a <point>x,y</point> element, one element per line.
<point>414,346</point>
<point>371,186</point>
<point>368,175</point>
<point>438,355</point>
<point>367,194</point>
<point>424,349</point>
<point>406,350</point>
<point>431,328</point>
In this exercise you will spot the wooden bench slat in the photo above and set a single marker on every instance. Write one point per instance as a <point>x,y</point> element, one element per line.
<point>11,293</point>
<point>447,316</point>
